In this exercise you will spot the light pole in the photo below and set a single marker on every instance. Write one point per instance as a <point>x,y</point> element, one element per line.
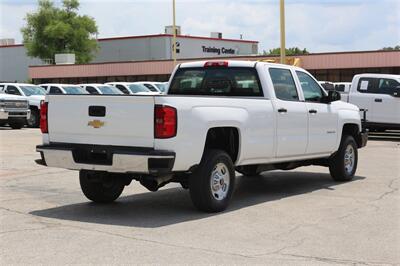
<point>174,35</point>
<point>282,16</point>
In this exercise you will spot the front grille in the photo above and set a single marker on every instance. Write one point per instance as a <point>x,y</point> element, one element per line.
<point>14,104</point>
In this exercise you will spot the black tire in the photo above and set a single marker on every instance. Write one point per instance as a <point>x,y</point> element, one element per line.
<point>101,187</point>
<point>16,124</point>
<point>201,191</point>
<point>337,166</point>
<point>34,119</point>
<point>248,170</point>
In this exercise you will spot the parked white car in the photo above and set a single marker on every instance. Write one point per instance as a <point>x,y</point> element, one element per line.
<point>380,95</point>
<point>95,88</point>
<point>153,86</point>
<point>218,117</point>
<point>132,88</point>
<point>35,94</point>
<point>54,88</point>
<point>14,110</point>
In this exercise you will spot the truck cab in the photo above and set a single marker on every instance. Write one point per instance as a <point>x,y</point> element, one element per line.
<point>380,95</point>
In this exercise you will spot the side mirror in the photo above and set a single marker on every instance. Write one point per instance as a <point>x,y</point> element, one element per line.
<point>333,96</point>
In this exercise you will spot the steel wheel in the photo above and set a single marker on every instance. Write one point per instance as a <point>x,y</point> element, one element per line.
<point>349,158</point>
<point>219,181</point>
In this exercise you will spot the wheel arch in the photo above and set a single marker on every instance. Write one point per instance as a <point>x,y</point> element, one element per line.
<point>226,138</point>
<point>352,129</point>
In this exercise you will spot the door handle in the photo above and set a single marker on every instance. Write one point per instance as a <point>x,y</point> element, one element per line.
<point>378,100</point>
<point>282,110</point>
<point>312,111</point>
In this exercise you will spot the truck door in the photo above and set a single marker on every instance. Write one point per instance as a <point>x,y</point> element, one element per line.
<point>322,120</point>
<point>386,107</point>
<point>292,119</point>
<point>362,97</point>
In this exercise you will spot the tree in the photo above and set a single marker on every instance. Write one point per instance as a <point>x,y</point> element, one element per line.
<point>51,30</point>
<point>396,48</point>
<point>289,51</point>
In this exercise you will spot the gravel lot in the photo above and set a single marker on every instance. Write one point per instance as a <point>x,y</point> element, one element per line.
<point>294,217</point>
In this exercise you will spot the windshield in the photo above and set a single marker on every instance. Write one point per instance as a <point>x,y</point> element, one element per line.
<point>74,90</point>
<point>109,90</point>
<point>135,88</point>
<point>32,90</point>
<point>151,87</point>
<point>161,86</point>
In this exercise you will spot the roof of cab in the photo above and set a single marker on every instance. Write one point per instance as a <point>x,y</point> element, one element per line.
<point>375,75</point>
<point>237,63</point>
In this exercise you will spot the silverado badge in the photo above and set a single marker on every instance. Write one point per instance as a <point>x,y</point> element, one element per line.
<point>95,123</point>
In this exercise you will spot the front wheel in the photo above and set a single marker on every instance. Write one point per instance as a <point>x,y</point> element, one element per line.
<point>212,184</point>
<point>101,187</point>
<point>16,124</point>
<point>34,119</point>
<point>343,165</point>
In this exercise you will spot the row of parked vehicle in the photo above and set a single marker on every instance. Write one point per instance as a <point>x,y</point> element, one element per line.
<point>20,102</point>
<point>378,94</point>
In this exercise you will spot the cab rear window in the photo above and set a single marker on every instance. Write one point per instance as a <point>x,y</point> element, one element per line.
<point>216,81</point>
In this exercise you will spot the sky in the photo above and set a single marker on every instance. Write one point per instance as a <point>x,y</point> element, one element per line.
<point>319,26</point>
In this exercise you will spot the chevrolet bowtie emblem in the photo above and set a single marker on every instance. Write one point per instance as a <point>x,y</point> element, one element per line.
<point>95,123</point>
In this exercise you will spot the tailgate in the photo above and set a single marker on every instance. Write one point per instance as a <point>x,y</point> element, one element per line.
<point>102,120</point>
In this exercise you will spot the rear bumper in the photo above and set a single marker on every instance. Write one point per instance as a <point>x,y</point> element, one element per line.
<point>106,158</point>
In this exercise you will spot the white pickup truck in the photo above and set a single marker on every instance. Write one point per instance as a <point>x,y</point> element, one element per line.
<point>380,95</point>
<point>217,117</point>
<point>33,93</point>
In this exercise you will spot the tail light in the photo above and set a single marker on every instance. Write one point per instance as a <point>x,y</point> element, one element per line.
<point>165,122</point>
<point>43,117</point>
<point>216,64</point>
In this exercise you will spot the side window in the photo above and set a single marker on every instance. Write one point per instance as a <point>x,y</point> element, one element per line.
<point>367,85</point>
<point>12,90</point>
<point>91,90</point>
<point>55,90</point>
<point>311,89</point>
<point>340,87</point>
<point>284,86</point>
<point>122,88</point>
<point>388,86</point>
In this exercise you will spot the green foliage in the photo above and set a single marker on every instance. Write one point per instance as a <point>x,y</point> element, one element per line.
<point>51,30</point>
<point>396,48</point>
<point>289,51</point>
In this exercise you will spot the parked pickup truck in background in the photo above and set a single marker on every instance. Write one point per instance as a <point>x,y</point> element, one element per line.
<point>14,110</point>
<point>33,93</point>
<point>380,95</point>
<point>217,117</point>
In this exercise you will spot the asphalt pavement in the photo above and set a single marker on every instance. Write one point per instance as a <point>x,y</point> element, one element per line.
<point>279,218</point>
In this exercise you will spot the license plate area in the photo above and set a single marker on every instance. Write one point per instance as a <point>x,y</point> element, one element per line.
<point>92,155</point>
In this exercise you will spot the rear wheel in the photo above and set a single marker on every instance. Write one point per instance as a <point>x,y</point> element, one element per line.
<point>212,184</point>
<point>101,187</point>
<point>343,165</point>
<point>34,118</point>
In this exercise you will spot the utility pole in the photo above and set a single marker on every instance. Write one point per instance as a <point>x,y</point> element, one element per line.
<point>283,45</point>
<point>174,36</point>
